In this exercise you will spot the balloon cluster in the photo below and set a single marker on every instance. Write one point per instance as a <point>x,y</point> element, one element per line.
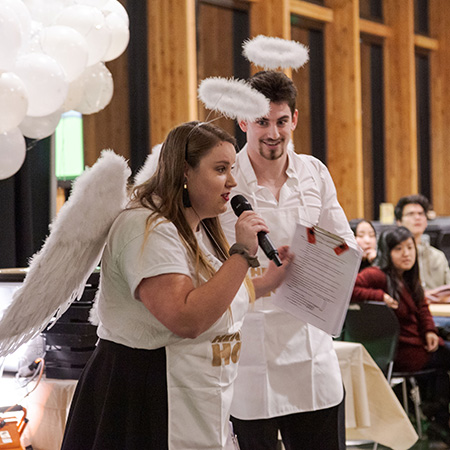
<point>52,60</point>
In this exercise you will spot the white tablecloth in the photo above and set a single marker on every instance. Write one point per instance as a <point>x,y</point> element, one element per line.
<point>47,409</point>
<point>440,309</point>
<point>372,411</point>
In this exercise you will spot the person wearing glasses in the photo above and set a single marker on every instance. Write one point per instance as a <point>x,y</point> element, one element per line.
<point>411,212</point>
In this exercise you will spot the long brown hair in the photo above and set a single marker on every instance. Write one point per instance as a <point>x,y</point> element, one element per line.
<point>388,240</point>
<point>163,192</point>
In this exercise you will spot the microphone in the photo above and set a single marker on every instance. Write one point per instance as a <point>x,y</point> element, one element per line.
<point>240,204</point>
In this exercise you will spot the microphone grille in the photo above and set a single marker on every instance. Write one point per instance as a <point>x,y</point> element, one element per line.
<point>240,204</point>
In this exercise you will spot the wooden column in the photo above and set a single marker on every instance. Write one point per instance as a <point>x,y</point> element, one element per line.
<point>440,106</point>
<point>271,18</point>
<point>401,161</point>
<point>343,97</point>
<point>172,65</point>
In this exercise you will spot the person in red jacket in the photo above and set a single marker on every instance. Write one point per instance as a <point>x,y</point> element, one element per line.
<point>395,280</point>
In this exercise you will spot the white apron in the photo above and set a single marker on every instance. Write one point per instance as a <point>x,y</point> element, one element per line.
<point>286,365</point>
<point>200,375</point>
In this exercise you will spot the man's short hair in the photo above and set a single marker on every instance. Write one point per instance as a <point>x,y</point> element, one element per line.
<point>276,86</point>
<point>416,199</point>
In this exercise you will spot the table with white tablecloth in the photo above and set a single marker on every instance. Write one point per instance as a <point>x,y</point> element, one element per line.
<point>372,411</point>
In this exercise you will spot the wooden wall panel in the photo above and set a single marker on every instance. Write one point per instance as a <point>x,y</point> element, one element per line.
<point>400,101</point>
<point>215,56</point>
<point>440,106</point>
<point>343,96</point>
<point>172,65</point>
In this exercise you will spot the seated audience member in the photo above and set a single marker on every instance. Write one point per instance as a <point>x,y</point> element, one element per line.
<point>411,212</point>
<point>366,237</point>
<point>395,281</point>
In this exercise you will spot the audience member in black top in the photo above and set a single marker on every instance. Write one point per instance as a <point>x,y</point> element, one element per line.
<point>366,237</point>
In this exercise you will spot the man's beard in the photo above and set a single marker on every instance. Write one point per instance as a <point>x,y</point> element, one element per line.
<point>272,154</point>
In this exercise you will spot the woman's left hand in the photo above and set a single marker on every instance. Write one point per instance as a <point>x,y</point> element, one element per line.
<point>432,340</point>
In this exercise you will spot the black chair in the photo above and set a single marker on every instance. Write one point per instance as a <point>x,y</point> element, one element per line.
<point>376,326</point>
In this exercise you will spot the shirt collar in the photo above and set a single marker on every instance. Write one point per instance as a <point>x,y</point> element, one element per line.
<point>290,171</point>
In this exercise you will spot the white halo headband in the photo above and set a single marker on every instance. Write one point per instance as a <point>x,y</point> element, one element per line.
<point>235,99</point>
<point>275,53</point>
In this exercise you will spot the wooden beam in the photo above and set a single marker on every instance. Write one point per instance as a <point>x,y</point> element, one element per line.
<point>440,111</point>
<point>311,11</point>
<point>367,150</point>
<point>172,65</point>
<point>242,5</point>
<point>426,42</point>
<point>401,161</point>
<point>343,95</point>
<point>374,28</point>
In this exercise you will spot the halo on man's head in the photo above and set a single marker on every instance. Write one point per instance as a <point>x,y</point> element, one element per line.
<point>275,53</point>
<point>235,99</point>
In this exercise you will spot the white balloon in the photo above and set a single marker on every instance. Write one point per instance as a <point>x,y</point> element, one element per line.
<point>10,37</point>
<point>23,16</point>
<point>40,127</point>
<point>45,81</point>
<point>120,36</point>
<point>90,23</point>
<point>12,152</point>
<point>45,11</point>
<point>98,88</point>
<point>13,101</point>
<point>33,43</point>
<point>118,8</point>
<point>68,47</point>
<point>99,40</point>
<point>96,3</point>
<point>74,95</point>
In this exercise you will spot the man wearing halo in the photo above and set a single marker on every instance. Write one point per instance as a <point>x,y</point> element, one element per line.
<point>289,379</point>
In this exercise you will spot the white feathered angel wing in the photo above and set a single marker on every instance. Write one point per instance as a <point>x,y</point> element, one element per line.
<point>58,272</point>
<point>149,167</point>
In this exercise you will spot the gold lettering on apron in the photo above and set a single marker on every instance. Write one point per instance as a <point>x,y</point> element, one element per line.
<point>255,272</point>
<point>236,352</point>
<point>219,354</point>
<point>223,350</point>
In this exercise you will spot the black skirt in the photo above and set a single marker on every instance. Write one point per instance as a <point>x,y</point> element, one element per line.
<point>120,402</point>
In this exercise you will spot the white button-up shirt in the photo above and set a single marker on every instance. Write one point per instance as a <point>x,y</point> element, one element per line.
<point>286,365</point>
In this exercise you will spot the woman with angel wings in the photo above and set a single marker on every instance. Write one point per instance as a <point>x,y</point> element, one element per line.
<point>170,307</point>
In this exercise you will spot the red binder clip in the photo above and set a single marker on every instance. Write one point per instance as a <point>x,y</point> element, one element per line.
<point>311,235</point>
<point>341,248</point>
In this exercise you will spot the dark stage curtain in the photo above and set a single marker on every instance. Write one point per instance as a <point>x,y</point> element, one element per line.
<point>25,207</point>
